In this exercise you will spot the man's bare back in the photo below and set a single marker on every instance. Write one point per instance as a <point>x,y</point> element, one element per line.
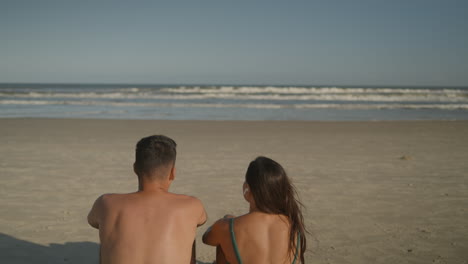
<point>147,227</point>
<point>151,225</point>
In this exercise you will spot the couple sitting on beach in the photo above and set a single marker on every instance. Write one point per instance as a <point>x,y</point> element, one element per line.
<point>156,226</point>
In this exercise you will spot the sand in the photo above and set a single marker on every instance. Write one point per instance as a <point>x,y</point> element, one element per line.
<point>374,192</point>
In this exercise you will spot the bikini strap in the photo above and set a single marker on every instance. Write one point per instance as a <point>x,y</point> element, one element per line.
<point>297,247</point>
<point>233,240</point>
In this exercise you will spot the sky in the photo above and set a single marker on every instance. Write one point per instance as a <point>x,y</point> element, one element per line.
<point>329,42</point>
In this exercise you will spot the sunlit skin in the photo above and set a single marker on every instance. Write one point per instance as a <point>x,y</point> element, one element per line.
<point>151,225</point>
<point>261,237</point>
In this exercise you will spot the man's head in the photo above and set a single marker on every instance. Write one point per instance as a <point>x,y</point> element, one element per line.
<point>155,157</point>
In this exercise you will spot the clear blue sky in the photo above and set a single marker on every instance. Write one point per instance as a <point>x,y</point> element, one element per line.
<point>348,42</point>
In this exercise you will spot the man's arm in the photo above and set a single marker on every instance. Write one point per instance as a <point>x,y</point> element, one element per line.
<point>94,214</point>
<point>199,211</point>
<point>193,260</point>
<point>203,216</point>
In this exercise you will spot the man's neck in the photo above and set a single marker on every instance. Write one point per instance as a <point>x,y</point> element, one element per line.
<point>153,186</point>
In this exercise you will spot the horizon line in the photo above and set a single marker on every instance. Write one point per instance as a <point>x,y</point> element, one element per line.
<point>230,84</point>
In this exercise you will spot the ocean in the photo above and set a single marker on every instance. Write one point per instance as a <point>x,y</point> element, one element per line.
<point>232,102</point>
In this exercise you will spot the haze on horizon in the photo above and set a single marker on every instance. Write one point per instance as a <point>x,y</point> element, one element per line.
<point>366,42</point>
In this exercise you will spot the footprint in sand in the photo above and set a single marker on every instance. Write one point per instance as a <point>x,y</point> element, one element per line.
<point>406,157</point>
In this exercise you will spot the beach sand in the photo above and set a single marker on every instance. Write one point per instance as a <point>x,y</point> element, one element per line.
<point>374,192</point>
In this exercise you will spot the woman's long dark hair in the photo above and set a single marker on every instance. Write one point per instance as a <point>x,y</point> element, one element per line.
<point>274,194</point>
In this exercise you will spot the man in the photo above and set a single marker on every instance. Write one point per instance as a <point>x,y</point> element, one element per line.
<point>151,225</point>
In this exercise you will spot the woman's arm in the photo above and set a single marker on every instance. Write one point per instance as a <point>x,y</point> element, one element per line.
<point>215,233</point>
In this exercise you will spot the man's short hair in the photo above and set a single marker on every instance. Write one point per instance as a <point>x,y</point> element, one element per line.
<point>153,153</point>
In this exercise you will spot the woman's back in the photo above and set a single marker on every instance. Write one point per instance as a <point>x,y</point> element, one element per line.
<point>273,230</point>
<point>260,238</point>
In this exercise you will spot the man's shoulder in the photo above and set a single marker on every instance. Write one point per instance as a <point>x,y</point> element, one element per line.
<point>110,198</point>
<point>192,206</point>
<point>191,200</point>
<point>187,202</point>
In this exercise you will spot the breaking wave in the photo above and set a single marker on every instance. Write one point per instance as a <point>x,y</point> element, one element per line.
<point>243,105</point>
<point>233,102</point>
<point>253,93</point>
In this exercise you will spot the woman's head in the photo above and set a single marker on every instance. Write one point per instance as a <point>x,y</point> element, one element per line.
<point>269,185</point>
<point>270,188</point>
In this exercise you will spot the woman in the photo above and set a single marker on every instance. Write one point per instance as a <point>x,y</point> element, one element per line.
<point>273,231</point>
